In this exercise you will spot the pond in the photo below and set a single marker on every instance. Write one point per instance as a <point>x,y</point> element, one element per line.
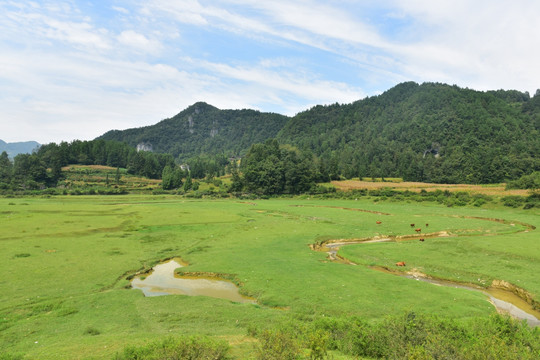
<point>163,281</point>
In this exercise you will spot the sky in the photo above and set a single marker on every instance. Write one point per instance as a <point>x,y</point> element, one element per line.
<point>74,69</point>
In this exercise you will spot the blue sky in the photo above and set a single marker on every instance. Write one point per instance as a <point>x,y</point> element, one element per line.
<point>73,69</point>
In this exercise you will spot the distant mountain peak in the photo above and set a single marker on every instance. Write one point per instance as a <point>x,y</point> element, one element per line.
<point>200,106</point>
<point>204,129</point>
<point>15,148</point>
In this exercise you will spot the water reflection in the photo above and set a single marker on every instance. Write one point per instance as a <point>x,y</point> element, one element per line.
<point>163,281</point>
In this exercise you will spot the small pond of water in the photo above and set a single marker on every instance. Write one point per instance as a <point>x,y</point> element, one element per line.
<point>163,281</point>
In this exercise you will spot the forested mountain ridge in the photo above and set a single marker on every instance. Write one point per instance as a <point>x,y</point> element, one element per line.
<point>204,129</point>
<point>429,132</point>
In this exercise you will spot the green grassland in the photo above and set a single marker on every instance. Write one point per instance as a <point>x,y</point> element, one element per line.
<point>65,261</point>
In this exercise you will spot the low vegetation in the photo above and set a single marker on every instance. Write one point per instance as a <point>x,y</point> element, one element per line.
<point>406,336</point>
<point>182,348</point>
<point>67,261</point>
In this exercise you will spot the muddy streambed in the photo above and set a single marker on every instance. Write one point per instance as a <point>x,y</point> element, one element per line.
<point>163,281</point>
<point>505,301</point>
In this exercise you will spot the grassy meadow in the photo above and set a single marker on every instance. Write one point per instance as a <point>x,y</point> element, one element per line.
<point>65,262</point>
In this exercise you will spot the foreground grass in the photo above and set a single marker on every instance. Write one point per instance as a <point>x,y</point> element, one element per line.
<point>65,261</point>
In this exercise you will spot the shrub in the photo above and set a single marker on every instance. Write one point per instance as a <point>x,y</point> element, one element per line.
<point>185,348</point>
<point>513,201</point>
<point>531,181</point>
<point>409,336</point>
<point>277,345</point>
<point>91,331</point>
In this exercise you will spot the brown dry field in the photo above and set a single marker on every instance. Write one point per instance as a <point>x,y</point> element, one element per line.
<point>97,167</point>
<point>495,189</point>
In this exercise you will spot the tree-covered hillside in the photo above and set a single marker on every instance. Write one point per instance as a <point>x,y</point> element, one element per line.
<point>204,129</point>
<point>429,132</point>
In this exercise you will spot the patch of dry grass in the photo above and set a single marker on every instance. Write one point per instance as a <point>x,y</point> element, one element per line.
<point>496,189</point>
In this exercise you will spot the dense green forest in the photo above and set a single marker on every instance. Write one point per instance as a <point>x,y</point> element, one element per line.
<point>269,169</point>
<point>204,129</point>
<point>429,132</point>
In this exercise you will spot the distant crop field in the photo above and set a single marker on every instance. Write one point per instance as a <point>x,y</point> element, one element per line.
<point>497,189</point>
<point>66,261</point>
<point>84,167</point>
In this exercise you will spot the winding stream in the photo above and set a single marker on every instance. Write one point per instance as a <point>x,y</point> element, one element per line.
<point>504,301</point>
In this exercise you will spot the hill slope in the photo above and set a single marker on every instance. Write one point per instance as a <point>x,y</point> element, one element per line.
<point>429,132</point>
<point>204,129</point>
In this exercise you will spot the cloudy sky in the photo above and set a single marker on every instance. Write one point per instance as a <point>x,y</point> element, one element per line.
<point>73,69</point>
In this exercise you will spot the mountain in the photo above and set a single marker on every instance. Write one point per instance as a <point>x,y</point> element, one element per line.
<point>202,128</point>
<point>15,148</point>
<point>421,132</point>
<point>429,132</point>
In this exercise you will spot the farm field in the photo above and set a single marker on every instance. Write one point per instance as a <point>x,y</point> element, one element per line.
<point>66,260</point>
<point>492,189</point>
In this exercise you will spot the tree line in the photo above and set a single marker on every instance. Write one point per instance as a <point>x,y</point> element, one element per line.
<point>43,168</point>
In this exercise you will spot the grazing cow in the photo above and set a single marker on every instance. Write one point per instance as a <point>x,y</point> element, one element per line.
<point>400,263</point>
<point>418,230</point>
<point>422,239</point>
<point>412,225</point>
<point>379,222</point>
<point>427,224</point>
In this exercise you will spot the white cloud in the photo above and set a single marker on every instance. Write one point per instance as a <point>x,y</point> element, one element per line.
<point>286,82</point>
<point>121,10</point>
<point>138,41</point>
<point>69,74</point>
<point>481,44</point>
<point>76,33</point>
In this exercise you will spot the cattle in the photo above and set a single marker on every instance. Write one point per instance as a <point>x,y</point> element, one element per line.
<point>427,224</point>
<point>418,230</point>
<point>412,225</point>
<point>400,263</point>
<point>422,239</point>
<point>379,222</point>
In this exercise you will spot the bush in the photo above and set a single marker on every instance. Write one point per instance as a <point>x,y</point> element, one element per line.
<point>531,181</point>
<point>513,201</point>
<point>277,345</point>
<point>185,348</point>
<point>409,336</point>
<point>91,331</point>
